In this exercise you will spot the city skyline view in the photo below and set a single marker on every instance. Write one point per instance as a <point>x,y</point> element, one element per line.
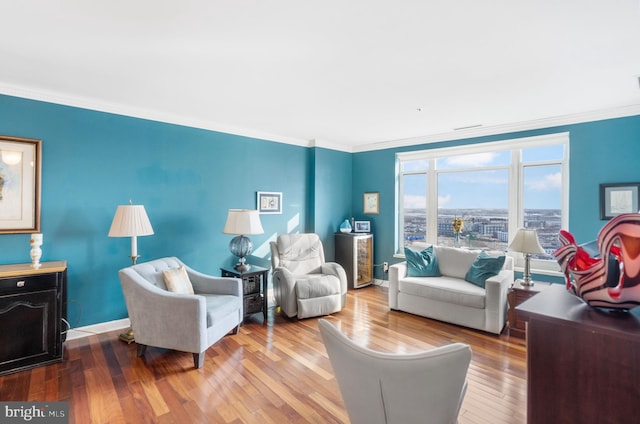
<point>484,228</point>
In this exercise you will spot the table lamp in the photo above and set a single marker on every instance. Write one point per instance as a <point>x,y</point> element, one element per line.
<point>131,221</point>
<point>242,222</point>
<point>526,241</point>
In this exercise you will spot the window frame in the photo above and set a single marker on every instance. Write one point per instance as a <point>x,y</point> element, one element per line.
<point>516,182</point>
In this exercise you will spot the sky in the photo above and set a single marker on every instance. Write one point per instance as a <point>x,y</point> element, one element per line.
<point>471,188</point>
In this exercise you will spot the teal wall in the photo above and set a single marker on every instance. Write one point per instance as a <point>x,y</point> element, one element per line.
<point>332,188</point>
<point>186,178</point>
<point>606,151</point>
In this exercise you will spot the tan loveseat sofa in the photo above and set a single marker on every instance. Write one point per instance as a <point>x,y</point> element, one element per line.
<point>449,297</point>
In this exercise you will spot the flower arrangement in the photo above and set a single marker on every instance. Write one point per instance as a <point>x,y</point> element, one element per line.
<point>458,225</point>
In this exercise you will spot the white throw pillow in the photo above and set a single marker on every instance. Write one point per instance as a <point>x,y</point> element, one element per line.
<point>177,280</point>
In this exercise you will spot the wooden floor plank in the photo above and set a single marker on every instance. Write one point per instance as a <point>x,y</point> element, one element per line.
<point>273,372</point>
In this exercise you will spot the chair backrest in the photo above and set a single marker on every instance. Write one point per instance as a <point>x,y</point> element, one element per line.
<point>299,253</point>
<point>152,271</point>
<point>425,387</point>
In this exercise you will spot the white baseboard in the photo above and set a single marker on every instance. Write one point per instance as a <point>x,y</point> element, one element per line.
<point>382,283</point>
<point>103,327</point>
<point>120,324</point>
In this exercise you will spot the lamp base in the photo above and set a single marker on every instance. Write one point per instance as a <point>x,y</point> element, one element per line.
<point>525,283</point>
<point>128,336</point>
<point>242,267</point>
<point>526,280</point>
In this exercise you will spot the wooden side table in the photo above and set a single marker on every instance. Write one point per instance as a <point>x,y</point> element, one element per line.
<point>254,288</point>
<point>517,294</point>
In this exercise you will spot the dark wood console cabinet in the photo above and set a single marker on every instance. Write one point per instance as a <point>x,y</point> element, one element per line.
<point>583,363</point>
<point>32,307</point>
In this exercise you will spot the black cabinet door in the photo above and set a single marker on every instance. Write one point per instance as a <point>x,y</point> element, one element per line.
<point>29,328</point>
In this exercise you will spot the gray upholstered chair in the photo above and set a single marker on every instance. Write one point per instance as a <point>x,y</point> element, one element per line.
<point>425,387</point>
<point>184,322</point>
<point>304,284</point>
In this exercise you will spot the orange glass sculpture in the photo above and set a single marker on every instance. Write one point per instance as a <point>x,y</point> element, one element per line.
<point>613,279</point>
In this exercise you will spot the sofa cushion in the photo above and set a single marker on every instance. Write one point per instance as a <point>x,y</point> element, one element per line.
<point>421,264</point>
<point>455,262</point>
<point>311,286</point>
<point>177,280</point>
<point>444,289</point>
<point>485,266</point>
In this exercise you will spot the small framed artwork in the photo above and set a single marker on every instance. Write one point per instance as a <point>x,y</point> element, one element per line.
<point>20,185</point>
<point>616,199</point>
<point>362,227</point>
<point>372,203</point>
<point>269,202</point>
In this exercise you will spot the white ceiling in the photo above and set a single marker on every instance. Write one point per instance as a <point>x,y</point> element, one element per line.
<point>352,74</point>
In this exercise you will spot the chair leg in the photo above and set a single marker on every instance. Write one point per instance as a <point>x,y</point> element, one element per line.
<point>198,359</point>
<point>141,349</point>
<point>236,329</point>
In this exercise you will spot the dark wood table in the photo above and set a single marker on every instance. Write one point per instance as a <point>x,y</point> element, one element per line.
<point>583,363</point>
<point>517,294</point>
<point>254,288</point>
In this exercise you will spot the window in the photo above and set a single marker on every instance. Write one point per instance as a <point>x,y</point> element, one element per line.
<point>494,187</point>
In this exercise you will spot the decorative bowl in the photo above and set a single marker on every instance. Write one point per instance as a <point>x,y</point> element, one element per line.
<point>612,280</point>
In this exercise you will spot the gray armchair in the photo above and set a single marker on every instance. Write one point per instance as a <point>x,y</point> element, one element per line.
<point>377,388</point>
<point>304,284</point>
<point>184,322</point>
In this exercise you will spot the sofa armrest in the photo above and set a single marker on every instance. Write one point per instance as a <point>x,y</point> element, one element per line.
<point>496,290</point>
<point>333,268</point>
<point>396,272</point>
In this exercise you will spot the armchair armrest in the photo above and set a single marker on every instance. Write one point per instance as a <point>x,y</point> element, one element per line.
<point>207,284</point>
<point>396,271</point>
<point>333,268</point>
<point>284,285</point>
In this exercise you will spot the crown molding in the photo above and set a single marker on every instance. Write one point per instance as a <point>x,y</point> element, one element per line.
<point>578,118</point>
<point>325,144</point>
<point>118,109</point>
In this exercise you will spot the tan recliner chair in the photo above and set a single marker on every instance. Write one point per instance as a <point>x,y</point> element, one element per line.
<point>304,284</point>
<point>378,388</point>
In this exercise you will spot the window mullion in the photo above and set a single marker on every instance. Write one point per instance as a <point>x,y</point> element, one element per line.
<point>432,206</point>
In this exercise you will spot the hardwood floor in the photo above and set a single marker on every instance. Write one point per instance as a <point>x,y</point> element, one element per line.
<point>273,373</point>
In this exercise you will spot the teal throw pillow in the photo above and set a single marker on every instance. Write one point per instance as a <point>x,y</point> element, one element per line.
<point>421,264</point>
<point>485,266</point>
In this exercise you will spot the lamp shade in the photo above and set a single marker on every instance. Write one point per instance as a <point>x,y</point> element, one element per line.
<point>130,221</point>
<point>526,241</point>
<point>243,222</point>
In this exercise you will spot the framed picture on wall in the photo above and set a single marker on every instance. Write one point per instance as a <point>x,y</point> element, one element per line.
<point>269,202</point>
<point>372,203</point>
<point>19,185</point>
<point>619,198</point>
